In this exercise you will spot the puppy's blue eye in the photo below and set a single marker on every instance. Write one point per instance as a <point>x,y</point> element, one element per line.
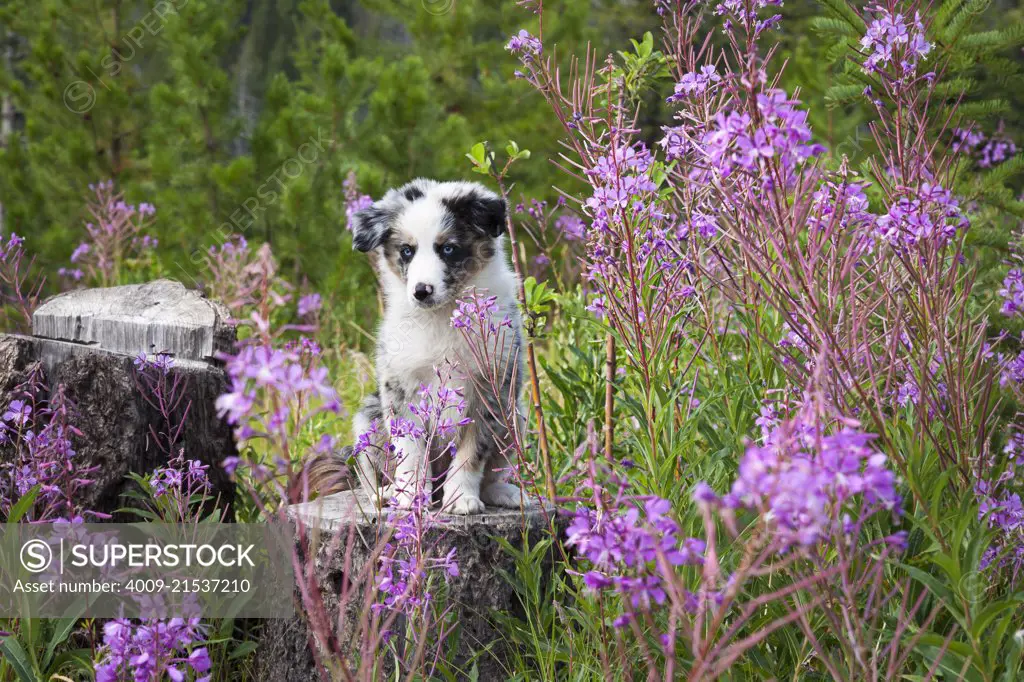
<point>447,249</point>
<point>406,252</point>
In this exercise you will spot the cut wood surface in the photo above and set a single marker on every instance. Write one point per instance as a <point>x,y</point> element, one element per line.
<point>156,317</point>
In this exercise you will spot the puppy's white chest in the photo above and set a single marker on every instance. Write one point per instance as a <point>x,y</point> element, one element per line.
<point>415,346</point>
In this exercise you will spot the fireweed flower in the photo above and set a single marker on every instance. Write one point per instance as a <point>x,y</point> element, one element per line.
<point>14,244</point>
<point>308,304</point>
<point>80,251</point>
<point>524,46</point>
<point>273,390</point>
<point>891,42</point>
<point>733,143</point>
<point>801,480</point>
<point>996,151</point>
<point>160,362</point>
<point>240,276</point>
<point>43,454</point>
<point>153,651</point>
<point>631,550</point>
<point>630,231</point>
<point>967,140</point>
<point>747,14</point>
<point>701,223</point>
<point>571,227</point>
<point>478,310</point>
<point>354,200</point>
<point>987,152</point>
<point>406,562</point>
<point>842,201</point>
<point>1005,513</point>
<point>17,413</point>
<point>415,551</point>
<point>927,213</point>
<point>183,479</point>
<point>73,274</point>
<point>909,393</point>
<point>115,233</point>
<point>1013,369</point>
<point>695,83</point>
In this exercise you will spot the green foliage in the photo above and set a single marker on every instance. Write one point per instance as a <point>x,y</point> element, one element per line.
<point>234,117</point>
<point>37,650</point>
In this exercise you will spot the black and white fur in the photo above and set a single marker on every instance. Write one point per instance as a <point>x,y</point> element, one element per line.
<point>434,241</point>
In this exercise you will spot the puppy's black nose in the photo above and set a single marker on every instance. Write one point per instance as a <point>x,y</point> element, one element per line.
<point>423,291</point>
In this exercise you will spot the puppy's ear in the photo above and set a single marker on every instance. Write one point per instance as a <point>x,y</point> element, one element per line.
<point>484,213</point>
<point>370,228</point>
<point>491,215</point>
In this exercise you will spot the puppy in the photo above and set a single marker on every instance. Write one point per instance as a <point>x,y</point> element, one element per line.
<point>433,242</point>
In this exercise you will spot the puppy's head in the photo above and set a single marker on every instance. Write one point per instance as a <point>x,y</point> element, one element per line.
<point>433,236</point>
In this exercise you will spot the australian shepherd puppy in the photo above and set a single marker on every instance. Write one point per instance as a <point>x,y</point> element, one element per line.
<point>433,242</point>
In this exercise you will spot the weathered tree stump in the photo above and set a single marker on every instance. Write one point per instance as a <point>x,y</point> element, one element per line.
<point>347,527</point>
<point>86,341</point>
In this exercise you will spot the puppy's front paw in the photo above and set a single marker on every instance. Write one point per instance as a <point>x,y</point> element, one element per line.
<point>501,494</point>
<point>464,504</point>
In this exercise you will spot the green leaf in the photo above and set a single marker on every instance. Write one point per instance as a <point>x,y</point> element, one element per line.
<point>242,650</point>
<point>62,630</point>
<point>81,659</point>
<point>18,659</point>
<point>1014,657</point>
<point>23,505</point>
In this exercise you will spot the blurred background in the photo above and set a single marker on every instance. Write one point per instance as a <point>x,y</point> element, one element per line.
<point>247,116</point>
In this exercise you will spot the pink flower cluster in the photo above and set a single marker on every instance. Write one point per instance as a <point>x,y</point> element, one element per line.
<point>153,651</point>
<point>406,564</point>
<point>801,480</point>
<point>631,551</point>
<point>1012,293</point>
<point>116,235</point>
<point>746,13</point>
<point>572,227</point>
<point>354,200</point>
<point>524,45</point>
<point>695,83</point>
<point>892,41</point>
<point>1001,506</point>
<point>478,312</point>
<point>39,433</point>
<point>183,479</point>
<point>987,151</point>
<point>735,142</point>
<point>929,212</point>
<point>257,370</point>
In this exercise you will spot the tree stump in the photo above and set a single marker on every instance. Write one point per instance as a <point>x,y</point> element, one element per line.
<point>347,526</point>
<point>86,341</point>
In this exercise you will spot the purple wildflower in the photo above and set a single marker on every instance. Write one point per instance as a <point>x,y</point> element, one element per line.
<point>572,227</point>
<point>524,45</point>
<point>153,650</point>
<point>695,83</point>
<point>890,42</point>
<point>81,250</point>
<point>800,480</point>
<point>631,552</point>
<point>478,312</point>
<point>309,304</point>
<point>354,200</point>
<point>930,213</point>
<point>17,413</point>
